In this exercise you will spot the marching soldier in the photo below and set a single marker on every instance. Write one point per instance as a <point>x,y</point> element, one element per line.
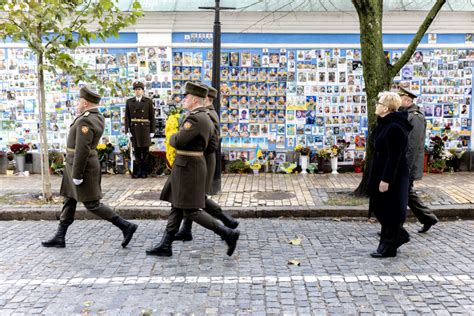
<point>81,178</point>
<point>415,153</point>
<point>185,188</point>
<point>140,126</point>
<point>212,207</point>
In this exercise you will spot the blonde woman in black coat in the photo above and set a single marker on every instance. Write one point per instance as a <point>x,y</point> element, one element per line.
<point>389,179</point>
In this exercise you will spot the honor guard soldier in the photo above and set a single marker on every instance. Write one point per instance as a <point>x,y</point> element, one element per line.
<point>82,175</point>
<point>185,188</point>
<point>140,126</point>
<point>415,156</point>
<point>212,207</point>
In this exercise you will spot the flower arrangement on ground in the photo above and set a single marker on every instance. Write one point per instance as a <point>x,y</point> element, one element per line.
<point>439,154</point>
<point>171,128</point>
<point>359,164</point>
<point>19,149</point>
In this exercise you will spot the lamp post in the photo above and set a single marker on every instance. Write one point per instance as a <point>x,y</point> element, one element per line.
<point>216,82</point>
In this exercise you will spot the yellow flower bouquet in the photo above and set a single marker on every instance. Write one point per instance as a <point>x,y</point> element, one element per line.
<point>171,128</point>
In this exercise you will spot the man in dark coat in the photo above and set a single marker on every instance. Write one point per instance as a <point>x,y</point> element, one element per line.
<point>140,126</point>
<point>185,188</point>
<point>81,178</point>
<point>415,156</point>
<point>388,180</point>
<point>212,207</point>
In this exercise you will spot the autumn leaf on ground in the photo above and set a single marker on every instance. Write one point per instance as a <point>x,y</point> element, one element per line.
<point>295,242</point>
<point>294,262</point>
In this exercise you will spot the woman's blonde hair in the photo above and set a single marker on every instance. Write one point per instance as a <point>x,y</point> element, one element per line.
<point>391,100</point>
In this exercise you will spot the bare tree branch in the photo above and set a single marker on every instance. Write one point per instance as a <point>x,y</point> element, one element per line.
<point>418,37</point>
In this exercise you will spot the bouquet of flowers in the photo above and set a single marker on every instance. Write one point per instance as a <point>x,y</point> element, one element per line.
<point>335,150</point>
<point>103,151</point>
<point>171,128</point>
<point>19,149</point>
<point>303,150</point>
<point>439,154</point>
<point>323,153</point>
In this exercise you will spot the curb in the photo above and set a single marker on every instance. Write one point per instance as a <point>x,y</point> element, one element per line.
<point>459,211</point>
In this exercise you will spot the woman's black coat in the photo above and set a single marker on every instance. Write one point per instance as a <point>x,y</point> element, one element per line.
<point>390,139</point>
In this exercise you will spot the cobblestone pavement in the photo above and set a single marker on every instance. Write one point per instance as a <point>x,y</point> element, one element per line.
<point>93,275</point>
<point>245,191</point>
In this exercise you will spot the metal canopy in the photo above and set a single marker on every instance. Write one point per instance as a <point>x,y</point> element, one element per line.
<point>295,5</point>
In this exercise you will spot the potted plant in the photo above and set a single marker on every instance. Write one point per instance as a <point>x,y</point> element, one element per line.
<point>439,155</point>
<point>255,167</point>
<point>359,164</point>
<point>304,156</point>
<point>238,166</point>
<point>322,155</point>
<point>20,150</point>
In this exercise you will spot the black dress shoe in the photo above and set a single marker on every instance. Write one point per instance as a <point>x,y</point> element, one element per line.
<point>387,254</point>
<point>426,227</point>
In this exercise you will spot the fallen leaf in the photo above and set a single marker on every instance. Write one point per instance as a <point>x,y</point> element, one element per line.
<point>294,262</point>
<point>88,303</point>
<point>295,242</point>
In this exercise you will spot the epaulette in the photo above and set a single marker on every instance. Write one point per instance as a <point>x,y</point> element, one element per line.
<point>86,114</point>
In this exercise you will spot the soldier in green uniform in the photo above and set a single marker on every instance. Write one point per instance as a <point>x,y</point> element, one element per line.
<point>81,178</point>
<point>185,188</point>
<point>415,156</point>
<point>212,207</point>
<point>140,126</point>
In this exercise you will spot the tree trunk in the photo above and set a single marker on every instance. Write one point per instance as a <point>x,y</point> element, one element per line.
<point>376,73</point>
<point>47,194</point>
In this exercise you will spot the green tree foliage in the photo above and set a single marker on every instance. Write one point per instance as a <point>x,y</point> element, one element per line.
<point>53,29</point>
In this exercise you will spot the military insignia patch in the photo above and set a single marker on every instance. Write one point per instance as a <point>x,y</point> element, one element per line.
<point>84,129</point>
<point>187,125</point>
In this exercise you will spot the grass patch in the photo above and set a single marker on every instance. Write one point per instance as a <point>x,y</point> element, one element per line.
<point>28,199</point>
<point>345,199</point>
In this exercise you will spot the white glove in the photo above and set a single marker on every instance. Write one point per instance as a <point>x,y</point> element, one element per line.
<point>129,134</point>
<point>152,135</point>
<point>77,181</point>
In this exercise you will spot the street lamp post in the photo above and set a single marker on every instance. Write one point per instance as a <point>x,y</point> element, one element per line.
<point>216,82</point>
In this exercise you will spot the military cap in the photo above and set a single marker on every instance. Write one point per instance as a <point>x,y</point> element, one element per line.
<point>211,91</point>
<point>138,84</point>
<point>405,91</point>
<point>195,89</point>
<point>89,95</point>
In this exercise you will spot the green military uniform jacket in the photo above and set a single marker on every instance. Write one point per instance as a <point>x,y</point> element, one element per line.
<point>82,161</point>
<point>416,142</point>
<point>140,120</point>
<point>211,149</point>
<point>186,186</point>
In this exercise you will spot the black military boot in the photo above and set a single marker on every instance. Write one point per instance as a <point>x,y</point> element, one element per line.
<point>127,228</point>
<point>230,236</point>
<point>58,239</point>
<point>215,210</point>
<point>184,232</point>
<point>163,249</point>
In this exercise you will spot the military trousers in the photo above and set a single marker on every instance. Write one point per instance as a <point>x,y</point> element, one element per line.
<point>69,210</point>
<point>421,211</point>
<point>196,215</point>
<point>141,160</point>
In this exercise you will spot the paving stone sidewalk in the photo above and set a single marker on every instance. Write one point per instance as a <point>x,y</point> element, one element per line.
<point>263,195</point>
<point>433,274</point>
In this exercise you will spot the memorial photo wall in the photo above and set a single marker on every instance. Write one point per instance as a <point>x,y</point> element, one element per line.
<point>277,99</point>
<point>19,113</point>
